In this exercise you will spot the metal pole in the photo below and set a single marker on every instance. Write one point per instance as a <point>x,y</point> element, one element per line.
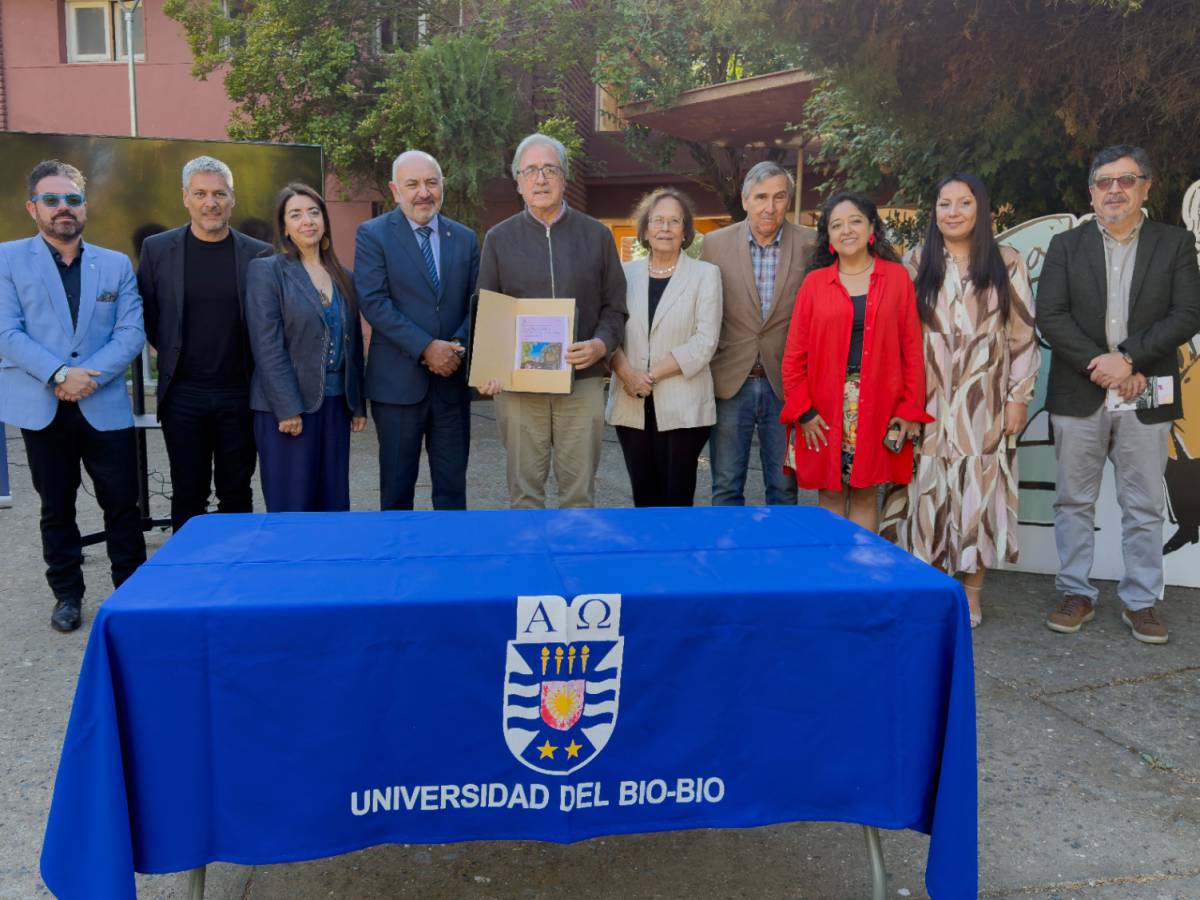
<point>128,8</point>
<point>878,872</point>
<point>799,186</point>
<point>196,883</point>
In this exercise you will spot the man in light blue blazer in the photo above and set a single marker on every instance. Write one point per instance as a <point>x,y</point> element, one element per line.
<point>70,324</point>
<point>415,272</point>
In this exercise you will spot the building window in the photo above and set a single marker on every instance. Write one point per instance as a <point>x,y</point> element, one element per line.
<point>404,31</point>
<point>96,31</point>
<point>234,10</point>
<point>607,115</point>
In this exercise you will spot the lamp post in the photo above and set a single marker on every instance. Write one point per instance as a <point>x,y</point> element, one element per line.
<point>142,373</point>
<point>128,7</point>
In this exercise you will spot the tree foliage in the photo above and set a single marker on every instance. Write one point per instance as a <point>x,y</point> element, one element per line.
<point>1022,92</point>
<point>654,50</point>
<point>368,79</point>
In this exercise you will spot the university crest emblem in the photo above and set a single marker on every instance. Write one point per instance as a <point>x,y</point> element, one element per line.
<point>562,680</point>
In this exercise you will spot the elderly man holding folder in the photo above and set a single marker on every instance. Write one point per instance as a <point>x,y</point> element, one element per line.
<point>550,250</point>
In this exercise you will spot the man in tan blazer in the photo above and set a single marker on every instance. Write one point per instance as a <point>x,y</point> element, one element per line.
<point>762,261</point>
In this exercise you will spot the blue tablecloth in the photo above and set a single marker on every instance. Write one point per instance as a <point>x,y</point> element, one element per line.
<point>284,687</point>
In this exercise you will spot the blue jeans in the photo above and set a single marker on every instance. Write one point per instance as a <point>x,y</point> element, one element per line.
<point>754,406</point>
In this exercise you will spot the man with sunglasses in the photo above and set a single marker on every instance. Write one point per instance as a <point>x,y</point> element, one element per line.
<point>70,324</point>
<point>1118,295</point>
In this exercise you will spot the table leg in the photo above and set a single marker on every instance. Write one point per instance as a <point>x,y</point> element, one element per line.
<point>196,883</point>
<point>878,873</point>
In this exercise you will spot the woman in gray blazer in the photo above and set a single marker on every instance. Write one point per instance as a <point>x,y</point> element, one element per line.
<point>661,396</point>
<point>306,338</point>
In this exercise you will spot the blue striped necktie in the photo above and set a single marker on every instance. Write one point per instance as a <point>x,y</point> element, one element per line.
<point>427,252</point>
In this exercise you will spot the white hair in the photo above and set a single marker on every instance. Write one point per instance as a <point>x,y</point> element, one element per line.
<point>419,154</point>
<point>761,171</point>
<point>545,140</point>
<point>207,164</point>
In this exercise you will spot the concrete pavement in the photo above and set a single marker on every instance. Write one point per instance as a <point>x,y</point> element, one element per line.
<point>1089,750</point>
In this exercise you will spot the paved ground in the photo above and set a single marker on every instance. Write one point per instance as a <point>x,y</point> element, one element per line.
<point>1089,758</point>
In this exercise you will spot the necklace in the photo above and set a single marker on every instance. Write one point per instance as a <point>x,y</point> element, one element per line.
<point>662,273</point>
<point>964,267</point>
<point>869,266</point>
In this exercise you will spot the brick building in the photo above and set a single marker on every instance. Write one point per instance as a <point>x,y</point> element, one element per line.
<point>63,68</point>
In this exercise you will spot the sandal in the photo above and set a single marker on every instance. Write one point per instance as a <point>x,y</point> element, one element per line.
<point>975,608</point>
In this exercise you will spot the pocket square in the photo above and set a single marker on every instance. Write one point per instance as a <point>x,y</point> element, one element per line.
<point>107,297</point>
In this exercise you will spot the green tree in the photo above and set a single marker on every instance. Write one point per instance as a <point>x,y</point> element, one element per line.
<point>450,98</point>
<point>368,78</point>
<point>1023,94</point>
<point>653,50</point>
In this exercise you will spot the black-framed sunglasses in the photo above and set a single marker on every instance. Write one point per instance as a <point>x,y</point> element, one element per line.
<point>1126,181</point>
<point>51,201</point>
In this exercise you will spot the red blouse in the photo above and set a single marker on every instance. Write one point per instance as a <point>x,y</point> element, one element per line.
<point>892,376</point>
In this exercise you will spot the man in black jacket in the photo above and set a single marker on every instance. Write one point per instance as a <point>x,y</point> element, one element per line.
<point>192,280</point>
<point>1116,298</point>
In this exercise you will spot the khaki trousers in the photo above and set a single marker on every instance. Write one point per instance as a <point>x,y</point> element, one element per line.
<point>566,428</point>
<point>1138,453</point>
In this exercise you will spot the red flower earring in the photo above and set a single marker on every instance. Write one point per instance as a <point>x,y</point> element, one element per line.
<point>871,241</point>
<point>831,250</point>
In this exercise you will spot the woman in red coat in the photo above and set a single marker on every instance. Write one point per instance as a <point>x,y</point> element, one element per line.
<point>853,369</point>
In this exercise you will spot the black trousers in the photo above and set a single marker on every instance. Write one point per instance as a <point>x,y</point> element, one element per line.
<point>444,426</point>
<point>210,437</point>
<point>110,457</point>
<point>662,464</point>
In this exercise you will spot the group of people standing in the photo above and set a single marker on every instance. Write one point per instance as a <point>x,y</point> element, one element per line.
<point>857,371</point>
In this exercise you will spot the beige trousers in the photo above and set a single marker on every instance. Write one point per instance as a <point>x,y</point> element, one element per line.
<point>565,428</point>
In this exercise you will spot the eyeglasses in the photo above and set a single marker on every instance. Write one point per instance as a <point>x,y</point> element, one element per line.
<point>549,170</point>
<point>51,201</point>
<point>666,222</point>
<point>1126,181</point>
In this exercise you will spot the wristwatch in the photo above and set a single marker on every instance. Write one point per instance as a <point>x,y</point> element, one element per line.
<point>61,375</point>
<point>1129,359</point>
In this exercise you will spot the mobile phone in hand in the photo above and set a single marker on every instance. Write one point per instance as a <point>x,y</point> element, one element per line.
<point>892,440</point>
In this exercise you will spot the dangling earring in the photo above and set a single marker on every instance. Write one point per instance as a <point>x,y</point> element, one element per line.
<point>325,242</point>
<point>831,250</point>
<point>871,241</point>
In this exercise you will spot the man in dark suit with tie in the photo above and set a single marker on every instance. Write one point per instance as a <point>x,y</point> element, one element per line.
<point>193,280</point>
<point>415,272</point>
<point>1117,296</point>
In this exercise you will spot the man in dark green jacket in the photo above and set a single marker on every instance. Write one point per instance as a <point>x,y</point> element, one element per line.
<point>551,250</point>
<point>1116,298</point>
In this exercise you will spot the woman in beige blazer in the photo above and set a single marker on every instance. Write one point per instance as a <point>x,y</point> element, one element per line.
<point>661,396</point>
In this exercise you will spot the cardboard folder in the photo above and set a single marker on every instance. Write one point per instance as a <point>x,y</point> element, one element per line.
<point>494,345</point>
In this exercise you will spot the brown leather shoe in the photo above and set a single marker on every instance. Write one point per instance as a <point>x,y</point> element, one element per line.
<point>1145,625</point>
<point>1071,613</point>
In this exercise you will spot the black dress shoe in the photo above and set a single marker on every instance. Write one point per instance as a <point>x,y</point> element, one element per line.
<point>67,615</point>
<point>1187,534</point>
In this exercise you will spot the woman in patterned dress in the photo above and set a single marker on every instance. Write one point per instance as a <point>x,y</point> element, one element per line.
<point>959,513</point>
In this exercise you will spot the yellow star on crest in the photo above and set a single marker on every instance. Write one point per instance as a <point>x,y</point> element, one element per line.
<point>547,749</point>
<point>573,750</point>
